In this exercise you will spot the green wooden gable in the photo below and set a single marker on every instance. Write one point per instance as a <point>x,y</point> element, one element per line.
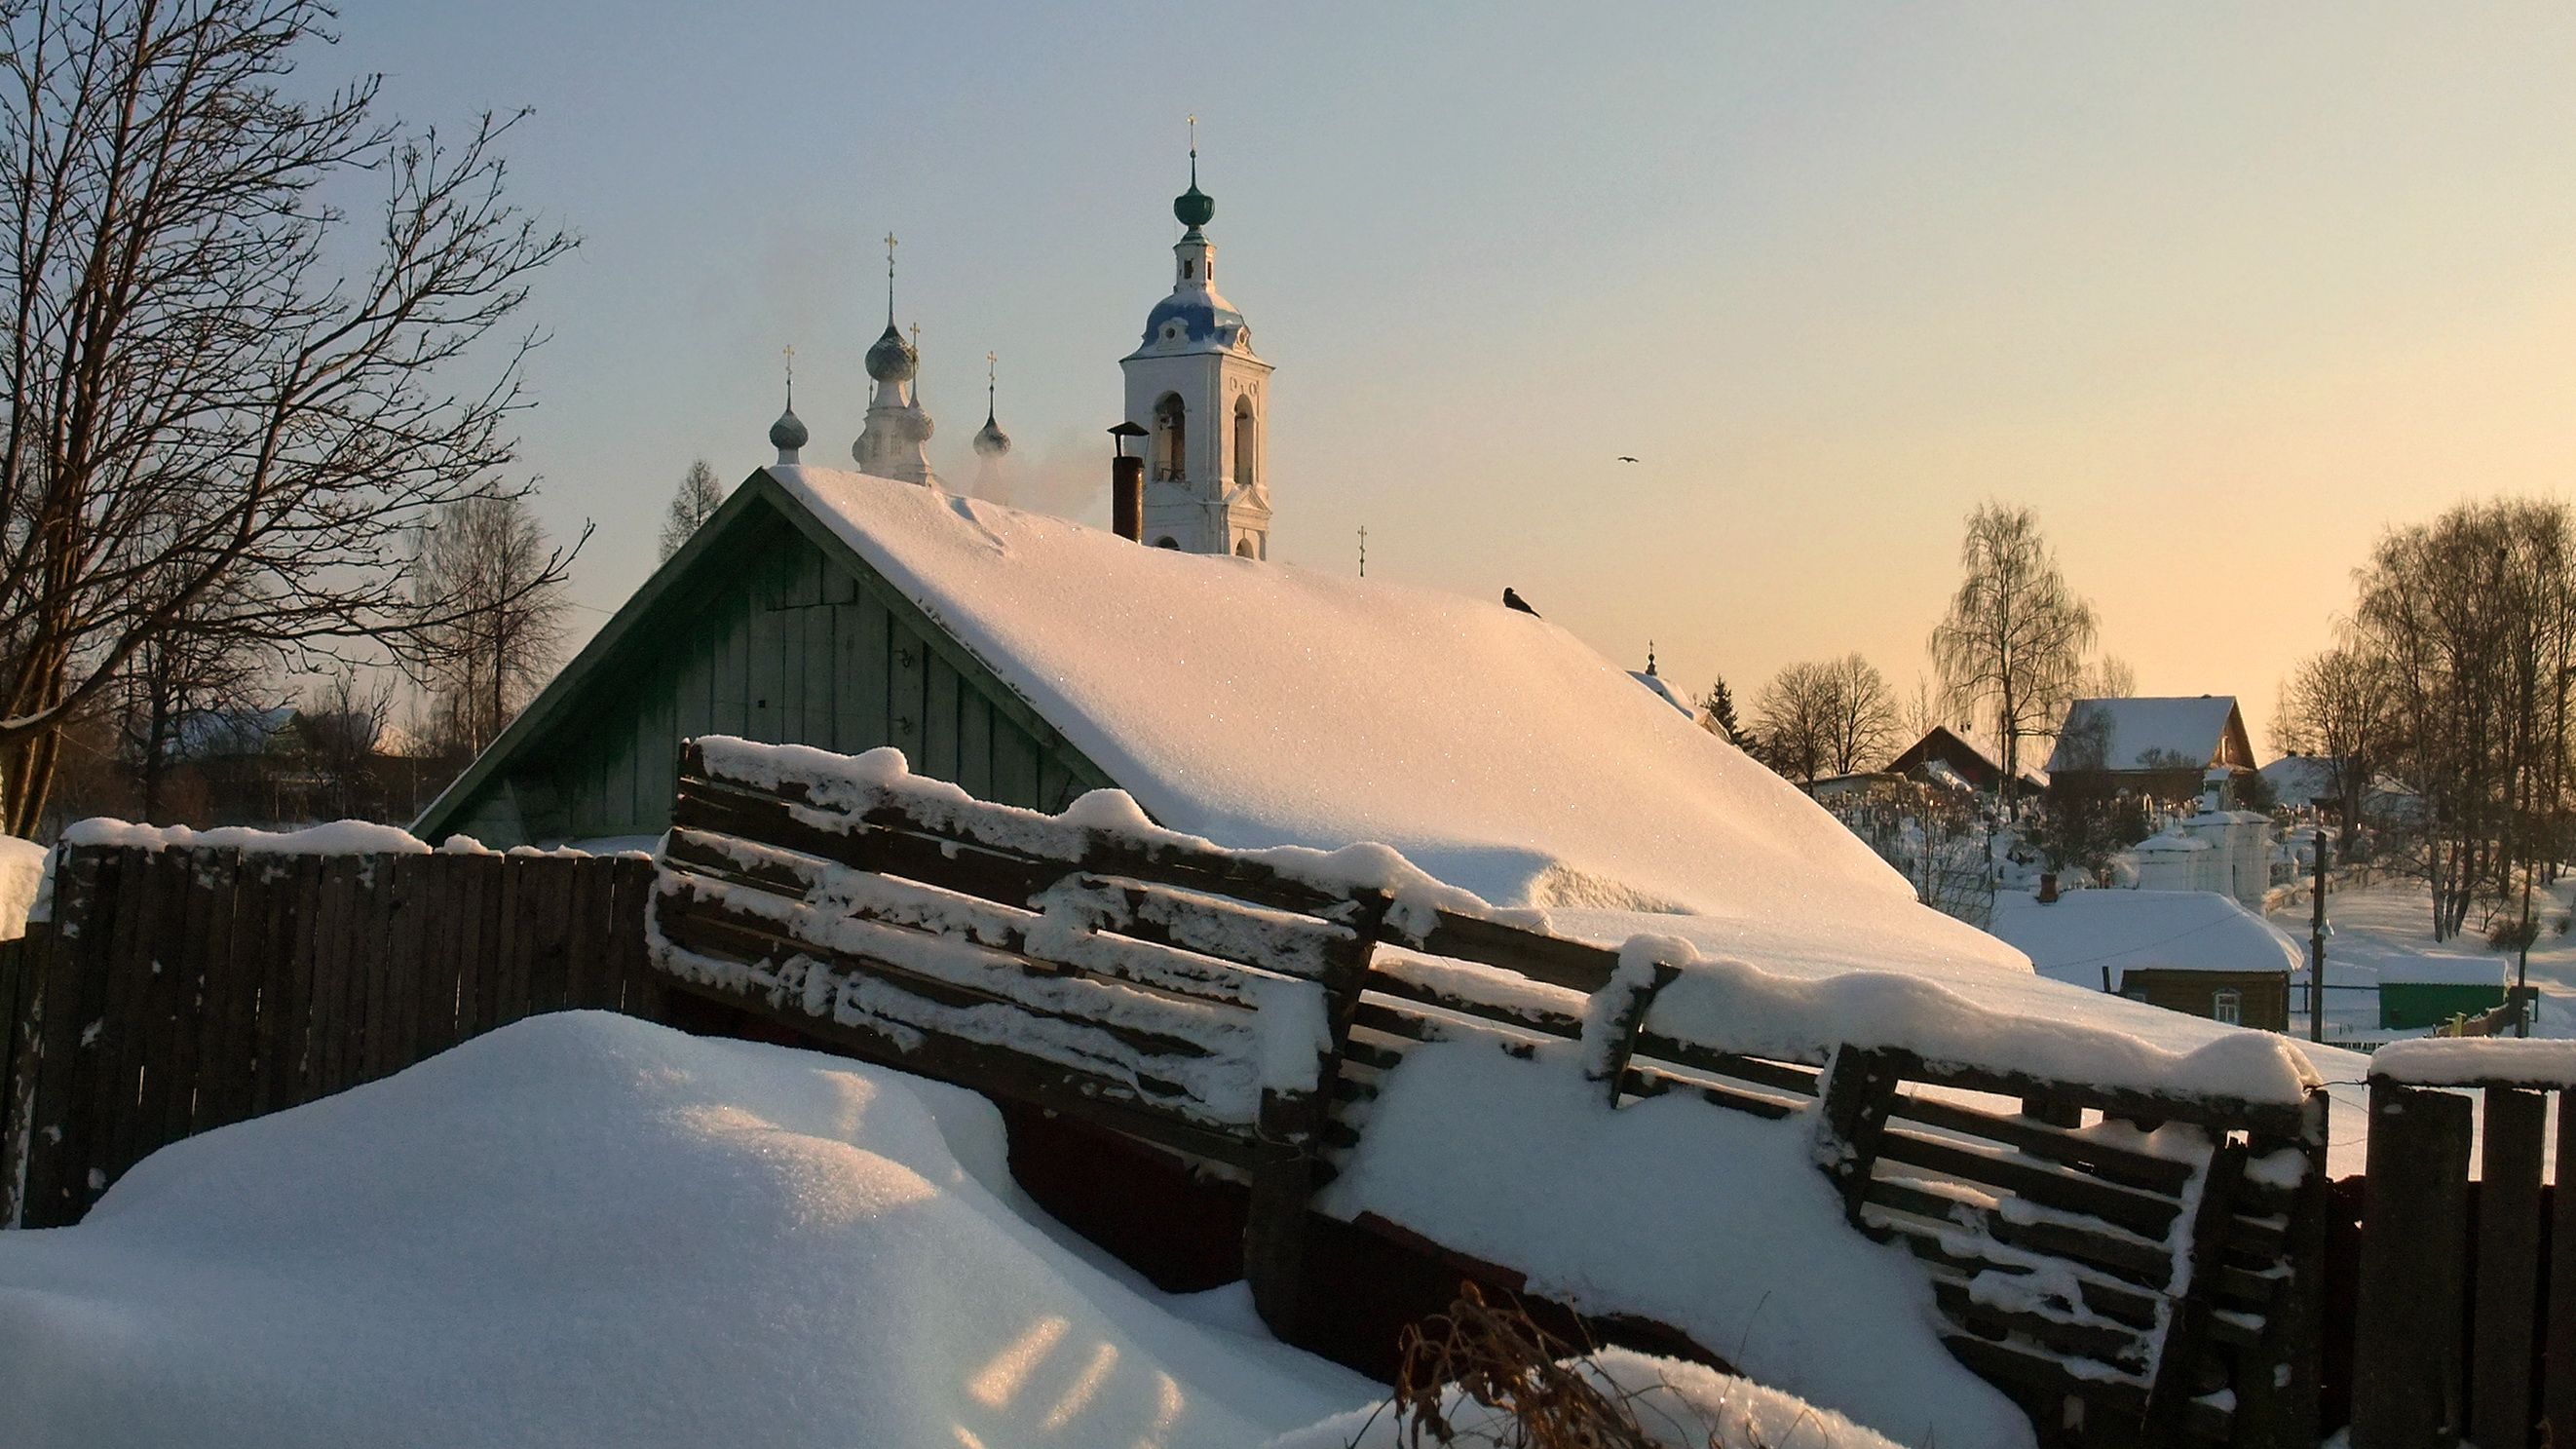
<point>768,626</point>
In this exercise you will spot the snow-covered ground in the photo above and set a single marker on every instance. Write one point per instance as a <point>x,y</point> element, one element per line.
<point>586,1229</point>
<point>2387,927</point>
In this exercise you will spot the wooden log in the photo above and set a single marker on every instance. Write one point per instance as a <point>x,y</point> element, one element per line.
<point>1626,1015</point>
<point>2558,1375</point>
<point>2280,1379</point>
<point>2146,1214</point>
<point>2163,1175</point>
<point>1274,1226</point>
<point>1575,965</point>
<point>2508,1268</point>
<point>2188,1334</point>
<point>2118,1346</point>
<point>2148,1265</point>
<point>1860,1089</point>
<point>1155,1026</point>
<point>2121,1302</point>
<point>2280,1119</point>
<point>2406,1390</point>
<point>1159,966</point>
<point>1081,1095</point>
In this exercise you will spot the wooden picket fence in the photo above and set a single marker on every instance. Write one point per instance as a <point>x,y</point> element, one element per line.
<point>1112,975</point>
<point>2463,1329</point>
<point>174,991</point>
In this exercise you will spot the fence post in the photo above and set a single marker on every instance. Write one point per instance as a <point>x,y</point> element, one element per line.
<point>2406,1335</point>
<point>2558,1376</point>
<point>2508,1268</point>
<point>1859,1089</point>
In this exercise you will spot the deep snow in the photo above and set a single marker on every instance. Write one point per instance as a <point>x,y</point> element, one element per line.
<point>585,1229</point>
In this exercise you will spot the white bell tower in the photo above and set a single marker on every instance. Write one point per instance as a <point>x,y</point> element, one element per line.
<point>1203,400</point>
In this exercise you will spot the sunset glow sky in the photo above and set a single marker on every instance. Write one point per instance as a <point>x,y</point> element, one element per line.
<point>2222,291</point>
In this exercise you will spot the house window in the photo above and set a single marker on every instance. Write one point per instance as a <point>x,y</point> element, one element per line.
<point>2227,1006</point>
<point>1171,437</point>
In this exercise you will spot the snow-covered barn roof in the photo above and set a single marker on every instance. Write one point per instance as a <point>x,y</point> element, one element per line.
<point>2086,933</point>
<point>2150,734</point>
<point>1258,704</point>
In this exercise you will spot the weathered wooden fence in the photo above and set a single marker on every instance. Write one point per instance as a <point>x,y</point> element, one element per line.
<point>2123,1296</point>
<point>2463,1328</point>
<point>174,991</point>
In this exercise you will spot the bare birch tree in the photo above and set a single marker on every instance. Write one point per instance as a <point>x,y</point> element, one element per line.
<point>2012,647</point>
<point>199,396</point>
<point>489,574</point>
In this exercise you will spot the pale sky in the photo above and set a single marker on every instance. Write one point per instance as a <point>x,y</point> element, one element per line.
<point>2221,290</point>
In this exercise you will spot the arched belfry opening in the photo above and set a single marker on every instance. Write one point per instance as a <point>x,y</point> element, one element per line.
<point>1171,438</point>
<point>1243,548</point>
<point>1247,441</point>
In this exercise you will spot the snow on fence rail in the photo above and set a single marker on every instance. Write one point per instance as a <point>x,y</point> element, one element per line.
<point>177,985</point>
<point>2135,1255</point>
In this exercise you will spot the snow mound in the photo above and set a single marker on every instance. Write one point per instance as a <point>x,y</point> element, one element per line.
<point>1709,1219</point>
<point>340,837</point>
<point>2090,936</point>
<point>586,1229</point>
<point>1682,1405</point>
<point>1259,704</point>
<point>2436,1061</point>
<point>22,877</point>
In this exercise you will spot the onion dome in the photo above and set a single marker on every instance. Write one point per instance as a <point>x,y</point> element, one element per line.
<point>990,440</point>
<point>1194,207</point>
<point>788,433</point>
<point>892,359</point>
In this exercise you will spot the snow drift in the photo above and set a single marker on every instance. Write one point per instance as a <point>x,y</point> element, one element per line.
<point>585,1229</point>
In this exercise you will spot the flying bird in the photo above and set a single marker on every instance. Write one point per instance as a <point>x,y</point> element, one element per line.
<point>1512,600</point>
<point>1624,458</point>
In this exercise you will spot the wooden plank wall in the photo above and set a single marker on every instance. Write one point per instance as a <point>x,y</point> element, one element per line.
<point>176,991</point>
<point>798,650</point>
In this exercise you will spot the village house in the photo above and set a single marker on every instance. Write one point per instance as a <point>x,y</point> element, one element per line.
<point>2196,952</point>
<point>2162,749</point>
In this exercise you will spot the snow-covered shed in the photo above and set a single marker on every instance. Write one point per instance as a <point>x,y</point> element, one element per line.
<point>2196,952</point>
<point>2427,990</point>
<point>2163,748</point>
<point>1030,659</point>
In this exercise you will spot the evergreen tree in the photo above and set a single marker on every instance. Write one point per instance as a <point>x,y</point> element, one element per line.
<point>696,502</point>
<point>1717,716</point>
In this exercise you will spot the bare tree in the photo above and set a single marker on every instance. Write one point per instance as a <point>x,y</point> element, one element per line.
<point>199,396</point>
<point>1829,718</point>
<point>696,502</point>
<point>343,726</point>
<point>2012,646</point>
<point>2337,706</point>
<point>488,573</point>
<point>1920,712</point>
<point>2473,620</point>
<point>206,675</point>
<point>2108,677</point>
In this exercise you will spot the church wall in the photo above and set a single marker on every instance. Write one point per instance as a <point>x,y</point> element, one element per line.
<point>783,644</point>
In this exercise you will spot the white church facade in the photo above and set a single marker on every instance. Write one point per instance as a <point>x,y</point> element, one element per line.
<point>1201,395</point>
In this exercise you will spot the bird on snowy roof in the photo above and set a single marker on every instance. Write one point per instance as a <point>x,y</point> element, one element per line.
<point>1512,600</point>
<point>1624,458</point>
